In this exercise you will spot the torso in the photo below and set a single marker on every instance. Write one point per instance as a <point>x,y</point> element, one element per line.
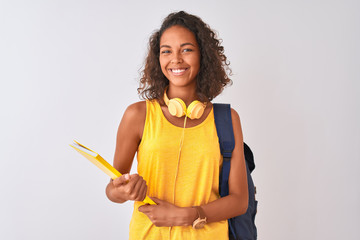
<point>191,180</point>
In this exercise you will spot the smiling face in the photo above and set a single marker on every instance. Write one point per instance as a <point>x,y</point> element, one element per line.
<point>179,56</point>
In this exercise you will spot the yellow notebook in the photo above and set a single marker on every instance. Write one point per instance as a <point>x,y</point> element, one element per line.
<point>96,159</point>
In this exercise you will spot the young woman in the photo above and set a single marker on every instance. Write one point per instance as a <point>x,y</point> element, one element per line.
<point>178,155</point>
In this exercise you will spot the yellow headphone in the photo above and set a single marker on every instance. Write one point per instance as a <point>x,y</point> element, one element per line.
<point>178,108</point>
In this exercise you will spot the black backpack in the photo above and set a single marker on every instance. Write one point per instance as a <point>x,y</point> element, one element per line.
<point>240,227</point>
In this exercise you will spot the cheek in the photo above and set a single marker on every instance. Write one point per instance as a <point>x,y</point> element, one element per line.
<point>196,63</point>
<point>196,59</point>
<point>162,65</point>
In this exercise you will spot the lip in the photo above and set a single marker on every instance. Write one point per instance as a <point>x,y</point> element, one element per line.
<point>177,71</point>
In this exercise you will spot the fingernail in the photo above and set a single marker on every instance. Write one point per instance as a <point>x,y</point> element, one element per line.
<point>126,176</point>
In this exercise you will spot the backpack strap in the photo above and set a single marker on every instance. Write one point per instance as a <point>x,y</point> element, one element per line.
<point>224,128</point>
<point>223,122</point>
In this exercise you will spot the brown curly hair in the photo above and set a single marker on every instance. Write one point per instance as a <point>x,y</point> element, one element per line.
<point>214,67</point>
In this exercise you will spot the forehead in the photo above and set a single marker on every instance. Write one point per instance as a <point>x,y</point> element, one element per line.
<point>176,35</point>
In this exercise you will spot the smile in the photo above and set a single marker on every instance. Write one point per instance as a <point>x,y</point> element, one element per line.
<point>178,71</point>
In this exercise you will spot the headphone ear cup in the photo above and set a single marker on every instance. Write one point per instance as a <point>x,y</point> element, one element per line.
<point>177,107</point>
<point>195,110</point>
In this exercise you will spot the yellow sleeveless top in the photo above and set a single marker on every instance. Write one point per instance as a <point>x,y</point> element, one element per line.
<point>194,181</point>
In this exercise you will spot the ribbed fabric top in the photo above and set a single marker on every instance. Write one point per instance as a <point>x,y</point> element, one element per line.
<point>193,181</point>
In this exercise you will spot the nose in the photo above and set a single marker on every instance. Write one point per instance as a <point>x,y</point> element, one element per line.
<point>177,58</point>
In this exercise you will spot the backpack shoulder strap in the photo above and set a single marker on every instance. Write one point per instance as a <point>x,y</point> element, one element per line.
<point>222,113</point>
<point>224,128</point>
<point>223,122</point>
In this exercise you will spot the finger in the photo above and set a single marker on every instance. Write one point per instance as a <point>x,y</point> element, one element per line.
<point>143,191</point>
<point>121,180</point>
<point>133,179</point>
<point>134,175</point>
<point>144,208</point>
<point>129,188</point>
<point>138,189</point>
<point>156,200</point>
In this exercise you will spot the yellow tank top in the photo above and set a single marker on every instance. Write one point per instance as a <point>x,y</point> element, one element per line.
<point>194,181</point>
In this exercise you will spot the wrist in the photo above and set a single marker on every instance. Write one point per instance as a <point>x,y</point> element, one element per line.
<point>201,220</point>
<point>192,215</point>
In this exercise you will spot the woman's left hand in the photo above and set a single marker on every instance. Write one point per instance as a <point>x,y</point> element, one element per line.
<point>165,214</point>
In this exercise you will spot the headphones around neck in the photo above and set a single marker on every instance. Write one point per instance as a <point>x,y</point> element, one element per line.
<point>178,108</point>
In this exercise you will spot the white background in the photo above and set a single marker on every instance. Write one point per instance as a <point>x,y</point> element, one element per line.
<point>69,69</point>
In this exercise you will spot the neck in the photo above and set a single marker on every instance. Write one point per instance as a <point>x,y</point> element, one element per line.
<point>187,94</point>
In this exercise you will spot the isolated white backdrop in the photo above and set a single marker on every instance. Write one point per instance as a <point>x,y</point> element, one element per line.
<point>68,70</point>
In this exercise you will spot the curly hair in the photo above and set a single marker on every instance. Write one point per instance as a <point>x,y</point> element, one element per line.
<point>214,67</point>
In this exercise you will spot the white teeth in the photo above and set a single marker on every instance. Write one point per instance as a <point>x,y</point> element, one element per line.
<point>177,70</point>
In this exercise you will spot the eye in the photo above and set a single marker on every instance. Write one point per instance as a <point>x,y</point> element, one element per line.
<point>187,50</point>
<point>165,51</point>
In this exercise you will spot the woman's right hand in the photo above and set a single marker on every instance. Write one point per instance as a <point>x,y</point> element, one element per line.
<point>129,187</point>
<point>130,131</point>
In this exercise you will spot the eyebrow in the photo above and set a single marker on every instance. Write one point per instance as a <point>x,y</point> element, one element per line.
<point>183,44</point>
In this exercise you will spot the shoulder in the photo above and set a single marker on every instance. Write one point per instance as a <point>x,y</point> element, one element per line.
<point>135,109</point>
<point>133,120</point>
<point>134,115</point>
<point>234,116</point>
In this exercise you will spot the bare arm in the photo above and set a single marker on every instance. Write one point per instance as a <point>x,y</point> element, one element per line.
<point>128,187</point>
<point>236,203</point>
